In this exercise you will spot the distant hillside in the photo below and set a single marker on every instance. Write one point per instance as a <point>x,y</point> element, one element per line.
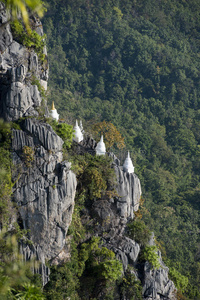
<point>137,64</point>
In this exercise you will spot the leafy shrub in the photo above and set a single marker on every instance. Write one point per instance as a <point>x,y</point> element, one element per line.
<point>30,39</point>
<point>96,174</point>
<point>101,270</point>
<point>5,134</point>
<point>138,231</point>
<point>112,136</point>
<point>23,8</point>
<point>100,261</point>
<point>6,207</point>
<point>149,253</point>
<point>76,228</point>
<point>130,287</point>
<point>180,281</point>
<point>65,131</point>
<point>118,12</point>
<point>97,183</point>
<point>31,292</point>
<point>35,81</point>
<point>28,155</point>
<point>16,126</point>
<point>14,271</point>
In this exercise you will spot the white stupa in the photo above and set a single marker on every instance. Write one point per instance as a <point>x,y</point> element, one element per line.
<point>78,134</point>
<point>128,165</point>
<point>54,113</point>
<point>81,127</point>
<point>101,148</point>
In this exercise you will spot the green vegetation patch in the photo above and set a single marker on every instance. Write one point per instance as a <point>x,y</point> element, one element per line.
<point>30,38</point>
<point>139,232</point>
<point>95,174</point>
<point>64,130</point>
<point>150,254</point>
<point>130,287</point>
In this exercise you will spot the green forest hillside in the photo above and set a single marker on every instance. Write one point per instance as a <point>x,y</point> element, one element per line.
<point>136,64</point>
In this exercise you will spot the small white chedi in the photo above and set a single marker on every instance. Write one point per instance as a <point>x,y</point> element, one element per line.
<point>54,113</point>
<point>101,148</point>
<point>81,127</point>
<point>128,165</point>
<point>78,135</point>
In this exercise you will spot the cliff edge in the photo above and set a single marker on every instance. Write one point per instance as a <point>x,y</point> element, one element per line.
<point>45,186</point>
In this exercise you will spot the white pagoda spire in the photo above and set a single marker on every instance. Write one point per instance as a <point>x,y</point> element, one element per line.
<point>78,134</point>
<point>81,127</point>
<point>101,148</point>
<point>128,165</point>
<point>54,113</point>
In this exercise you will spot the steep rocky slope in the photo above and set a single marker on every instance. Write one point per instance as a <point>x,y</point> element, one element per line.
<point>109,218</point>
<point>18,67</point>
<point>45,186</point>
<point>44,190</point>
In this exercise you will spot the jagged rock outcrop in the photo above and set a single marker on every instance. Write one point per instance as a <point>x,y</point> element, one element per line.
<point>5,34</point>
<point>45,186</point>
<point>109,221</point>
<point>129,190</point>
<point>19,66</point>
<point>156,284</point>
<point>44,190</point>
<point>126,250</point>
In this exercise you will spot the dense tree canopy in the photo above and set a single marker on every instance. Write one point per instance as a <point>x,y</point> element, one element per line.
<point>136,64</point>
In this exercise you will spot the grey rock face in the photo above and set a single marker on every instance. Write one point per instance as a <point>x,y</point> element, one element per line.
<point>111,216</point>
<point>5,34</point>
<point>156,284</point>
<point>44,191</point>
<point>43,134</point>
<point>110,219</point>
<point>18,67</point>
<point>126,250</point>
<point>45,186</point>
<point>129,190</point>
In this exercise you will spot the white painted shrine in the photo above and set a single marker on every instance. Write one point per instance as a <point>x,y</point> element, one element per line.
<point>78,135</point>
<point>81,127</point>
<point>101,148</point>
<point>54,113</point>
<point>128,165</point>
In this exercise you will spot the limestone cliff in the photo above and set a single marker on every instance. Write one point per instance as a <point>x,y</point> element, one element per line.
<point>109,220</point>
<point>45,186</point>
<point>18,67</point>
<point>44,190</point>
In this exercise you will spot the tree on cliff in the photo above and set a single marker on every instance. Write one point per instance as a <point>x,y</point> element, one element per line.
<point>112,136</point>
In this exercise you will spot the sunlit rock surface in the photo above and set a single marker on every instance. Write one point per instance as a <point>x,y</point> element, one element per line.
<point>44,190</point>
<point>19,68</point>
<point>45,186</point>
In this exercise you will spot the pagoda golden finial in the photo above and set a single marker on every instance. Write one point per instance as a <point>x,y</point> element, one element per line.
<point>52,107</point>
